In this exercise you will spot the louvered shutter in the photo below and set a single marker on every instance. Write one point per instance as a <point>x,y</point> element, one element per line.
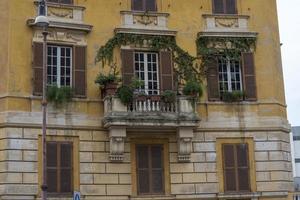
<point>249,76</point>
<point>243,167</point>
<point>66,168</point>
<point>37,67</point>
<point>230,7</point>
<point>213,80</point>
<point>166,71</point>
<point>218,6</point>
<point>127,66</point>
<point>52,175</point>
<point>143,168</point>
<point>79,79</point>
<point>157,169</point>
<point>229,168</point>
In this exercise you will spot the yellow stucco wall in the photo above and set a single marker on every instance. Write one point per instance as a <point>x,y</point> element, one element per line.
<point>185,17</point>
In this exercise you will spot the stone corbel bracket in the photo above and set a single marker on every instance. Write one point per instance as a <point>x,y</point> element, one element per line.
<point>117,137</point>
<point>184,141</point>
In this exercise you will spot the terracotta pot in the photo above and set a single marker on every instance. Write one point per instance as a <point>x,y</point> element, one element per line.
<point>155,98</point>
<point>110,89</point>
<point>141,98</point>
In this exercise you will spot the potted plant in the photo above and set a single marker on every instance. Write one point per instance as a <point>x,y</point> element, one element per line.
<point>192,88</point>
<point>109,82</point>
<point>168,96</point>
<point>234,96</point>
<point>125,94</point>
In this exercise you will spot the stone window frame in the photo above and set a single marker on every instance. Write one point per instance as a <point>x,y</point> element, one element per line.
<point>150,141</point>
<point>220,166</point>
<point>76,174</point>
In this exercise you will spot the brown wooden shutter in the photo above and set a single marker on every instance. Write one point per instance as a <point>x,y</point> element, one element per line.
<point>166,71</point>
<point>230,7</point>
<point>137,5</point>
<point>66,167</point>
<point>52,167</point>
<point>80,71</point>
<point>143,175</point>
<point>213,80</point>
<point>218,6</point>
<point>229,168</point>
<point>249,76</point>
<point>157,174</point>
<point>243,167</point>
<point>127,66</point>
<point>37,67</point>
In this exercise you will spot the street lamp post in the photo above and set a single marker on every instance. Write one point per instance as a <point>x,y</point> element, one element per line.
<point>42,21</point>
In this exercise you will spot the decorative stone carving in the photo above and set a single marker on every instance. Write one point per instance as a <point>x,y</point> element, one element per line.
<point>117,137</point>
<point>184,141</point>
<point>145,19</point>
<point>227,22</point>
<point>60,12</point>
<point>71,37</point>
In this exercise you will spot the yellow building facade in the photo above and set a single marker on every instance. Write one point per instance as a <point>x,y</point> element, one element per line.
<point>220,146</point>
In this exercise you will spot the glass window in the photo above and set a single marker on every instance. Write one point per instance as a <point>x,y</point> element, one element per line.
<point>59,66</point>
<point>61,1</point>
<point>224,7</point>
<point>144,5</point>
<point>230,75</point>
<point>146,69</point>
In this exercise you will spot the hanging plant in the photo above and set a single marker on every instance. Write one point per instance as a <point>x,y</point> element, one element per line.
<point>186,67</point>
<point>59,95</point>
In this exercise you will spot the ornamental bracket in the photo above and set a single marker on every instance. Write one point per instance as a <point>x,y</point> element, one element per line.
<point>117,137</point>
<point>184,141</point>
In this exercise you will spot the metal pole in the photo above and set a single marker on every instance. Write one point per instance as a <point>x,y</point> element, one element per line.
<point>44,110</point>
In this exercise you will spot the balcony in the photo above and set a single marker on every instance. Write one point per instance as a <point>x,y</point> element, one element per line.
<point>150,115</point>
<point>227,25</point>
<point>144,22</point>
<point>149,112</point>
<point>65,16</point>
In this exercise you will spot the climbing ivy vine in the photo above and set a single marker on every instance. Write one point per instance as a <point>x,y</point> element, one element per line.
<point>228,47</point>
<point>186,67</point>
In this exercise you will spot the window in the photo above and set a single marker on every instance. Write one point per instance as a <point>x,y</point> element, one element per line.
<point>224,7</point>
<point>146,69</point>
<point>236,167</point>
<point>61,1</point>
<point>150,169</point>
<point>230,76</point>
<point>227,75</point>
<point>60,167</point>
<point>59,66</point>
<point>143,5</point>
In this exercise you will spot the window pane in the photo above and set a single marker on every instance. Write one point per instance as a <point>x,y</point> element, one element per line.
<point>137,5</point>
<point>218,6</point>
<point>150,5</point>
<point>230,7</point>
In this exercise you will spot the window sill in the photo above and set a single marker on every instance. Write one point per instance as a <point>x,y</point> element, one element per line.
<point>147,13</point>
<point>226,15</point>
<point>153,197</point>
<point>238,195</point>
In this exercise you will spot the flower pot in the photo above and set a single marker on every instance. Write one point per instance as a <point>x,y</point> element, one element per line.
<point>141,98</point>
<point>155,98</point>
<point>110,89</point>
